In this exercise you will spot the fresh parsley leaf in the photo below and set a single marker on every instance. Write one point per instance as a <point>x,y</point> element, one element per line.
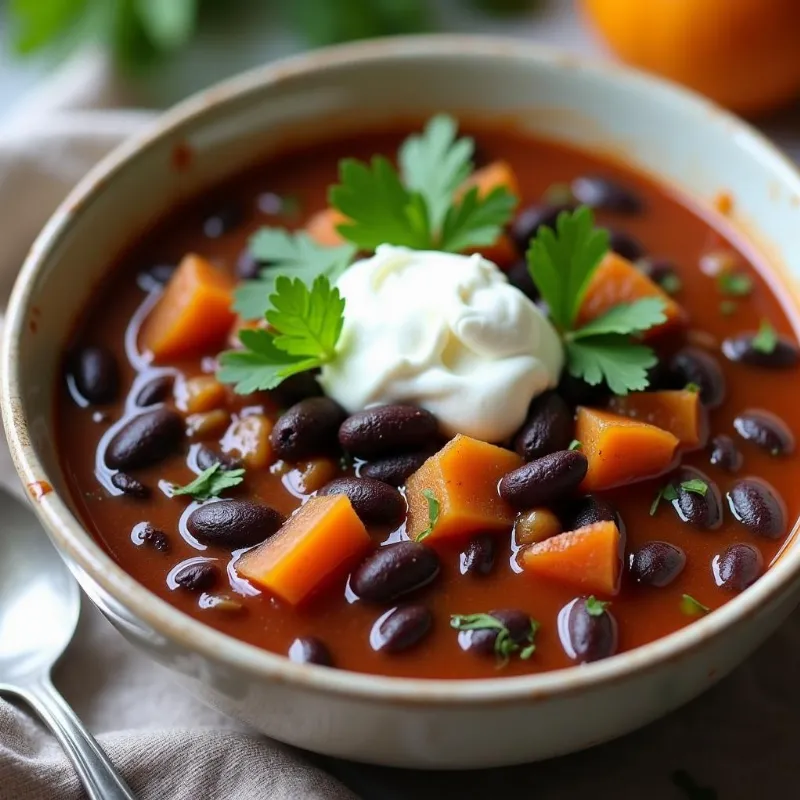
<point>692,607</point>
<point>626,318</point>
<point>474,221</point>
<point>575,444</point>
<point>290,253</point>
<point>595,607</point>
<point>735,284</point>
<point>504,645</point>
<point>666,492</point>
<point>696,486</point>
<point>727,307</point>
<point>210,482</point>
<point>307,323</point>
<point>562,262</point>
<point>378,207</point>
<point>612,358</point>
<point>766,340</point>
<point>434,508</point>
<point>691,387</point>
<point>169,25</point>
<point>435,163</point>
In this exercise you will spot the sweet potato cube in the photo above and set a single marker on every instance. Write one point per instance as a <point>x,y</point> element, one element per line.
<point>322,227</point>
<point>491,177</point>
<point>589,558</point>
<point>315,545</point>
<point>617,281</point>
<point>193,314</point>
<point>463,477</point>
<point>621,450</point>
<point>679,412</point>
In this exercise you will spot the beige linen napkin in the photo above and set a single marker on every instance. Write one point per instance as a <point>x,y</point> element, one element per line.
<point>167,745</point>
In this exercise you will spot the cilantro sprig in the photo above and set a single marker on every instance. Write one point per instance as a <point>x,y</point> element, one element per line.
<point>693,608</point>
<point>561,264</point>
<point>669,492</point>
<point>505,645</point>
<point>434,509</point>
<point>305,325</point>
<point>766,340</point>
<point>210,483</point>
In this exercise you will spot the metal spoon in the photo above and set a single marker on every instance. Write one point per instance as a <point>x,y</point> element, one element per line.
<point>39,608</point>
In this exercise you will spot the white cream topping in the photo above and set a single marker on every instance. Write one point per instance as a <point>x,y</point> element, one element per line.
<point>445,332</point>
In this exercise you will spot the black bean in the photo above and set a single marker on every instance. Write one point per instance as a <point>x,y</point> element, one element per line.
<point>725,454</point>
<point>96,374</point>
<point>625,244</point>
<point>248,267</point>
<point>766,430</point>
<point>586,637</point>
<point>310,650</point>
<point>129,485</point>
<point>548,427</point>
<point>739,566</point>
<point>482,640</point>
<point>197,577</point>
<point>155,391</point>
<point>145,439</point>
<point>755,504</point>
<point>395,469</point>
<point>394,570</point>
<point>296,388</point>
<point>544,481</point>
<point>519,275</point>
<point>701,510</point>
<point>530,219</point>
<point>477,558</point>
<point>740,348</point>
<point>657,563</point>
<point>387,430</point>
<point>693,365</point>
<point>599,192</point>
<point>582,511</point>
<point>155,538</point>
<point>576,392</point>
<point>401,628</point>
<point>233,523</point>
<point>309,428</point>
<point>205,458</point>
<point>225,219</point>
<point>375,502</point>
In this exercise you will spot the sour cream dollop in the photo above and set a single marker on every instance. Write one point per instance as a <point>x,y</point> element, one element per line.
<point>445,332</point>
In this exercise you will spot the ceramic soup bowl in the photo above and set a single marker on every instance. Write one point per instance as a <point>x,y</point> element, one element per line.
<point>667,132</point>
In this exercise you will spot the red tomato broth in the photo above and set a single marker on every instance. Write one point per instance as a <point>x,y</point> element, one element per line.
<point>669,227</point>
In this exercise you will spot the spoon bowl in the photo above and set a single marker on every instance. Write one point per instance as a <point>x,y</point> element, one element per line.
<point>39,599</point>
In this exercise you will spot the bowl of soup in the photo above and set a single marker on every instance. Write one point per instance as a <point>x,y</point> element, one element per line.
<point>425,402</point>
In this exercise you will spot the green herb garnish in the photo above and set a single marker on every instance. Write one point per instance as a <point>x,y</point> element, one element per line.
<point>692,607</point>
<point>735,284</point>
<point>595,607</point>
<point>422,208</point>
<point>671,283</point>
<point>306,324</point>
<point>667,493</point>
<point>294,254</point>
<point>561,264</point>
<point>692,387</point>
<point>728,307</point>
<point>434,508</point>
<point>210,482</point>
<point>504,645</point>
<point>696,486</point>
<point>766,340</point>
<point>575,444</point>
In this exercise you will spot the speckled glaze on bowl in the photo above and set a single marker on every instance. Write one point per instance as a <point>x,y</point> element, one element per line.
<point>404,722</point>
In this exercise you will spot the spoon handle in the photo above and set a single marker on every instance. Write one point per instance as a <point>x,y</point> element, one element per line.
<point>95,771</point>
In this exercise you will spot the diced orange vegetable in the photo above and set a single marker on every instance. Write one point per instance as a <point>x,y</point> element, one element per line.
<point>321,227</point>
<point>589,558</point>
<point>617,281</point>
<point>194,313</point>
<point>200,393</point>
<point>503,253</point>
<point>490,177</point>
<point>621,450</point>
<point>463,477</point>
<point>248,438</point>
<point>679,412</point>
<point>313,547</point>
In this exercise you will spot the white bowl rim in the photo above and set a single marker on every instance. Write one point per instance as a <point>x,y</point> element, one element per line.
<point>76,543</point>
